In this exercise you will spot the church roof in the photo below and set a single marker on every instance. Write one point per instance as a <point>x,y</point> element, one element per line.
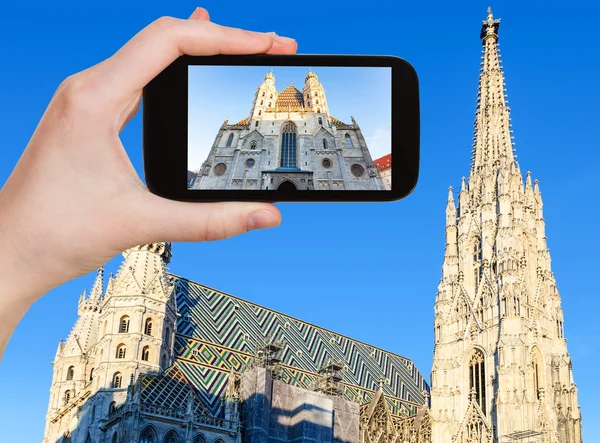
<point>290,97</point>
<point>337,122</point>
<point>243,122</point>
<point>384,162</point>
<point>170,390</point>
<point>218,332</point>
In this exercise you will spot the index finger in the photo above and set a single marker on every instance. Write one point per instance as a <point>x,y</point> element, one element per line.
<point>163,41</point>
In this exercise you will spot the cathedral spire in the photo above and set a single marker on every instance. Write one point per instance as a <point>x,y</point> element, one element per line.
<point>98,289</point>
<point>493,145</point>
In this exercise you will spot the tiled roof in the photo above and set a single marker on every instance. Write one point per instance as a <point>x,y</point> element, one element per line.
<point>217,333</point>
<point>242,122</point>
<point>384,162</point>
<point>290,97</point>
<point>337,122</point>
<point>170,390</point>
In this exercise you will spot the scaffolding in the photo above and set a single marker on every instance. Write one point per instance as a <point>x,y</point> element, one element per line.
<point>330,379</point>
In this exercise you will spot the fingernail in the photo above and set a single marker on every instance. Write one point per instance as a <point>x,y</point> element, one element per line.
<point>195,13</point>
<point>284,40</point>
<point>262,219</point>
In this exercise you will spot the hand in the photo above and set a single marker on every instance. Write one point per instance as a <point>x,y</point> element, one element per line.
<point>74,200</point>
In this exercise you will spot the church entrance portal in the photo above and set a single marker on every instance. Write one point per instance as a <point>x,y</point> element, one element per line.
<point>287,186</point>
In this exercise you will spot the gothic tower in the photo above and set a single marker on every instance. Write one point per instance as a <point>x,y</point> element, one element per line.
<point>314,94</point>
<point>501,368</point>
<point>264,98</point>
<point>119,334</point>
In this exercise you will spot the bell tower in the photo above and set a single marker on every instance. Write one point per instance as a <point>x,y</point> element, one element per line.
<point>264,98</point>
<point>501,370</point>
<point>314,95</point>
<point>138,318</point>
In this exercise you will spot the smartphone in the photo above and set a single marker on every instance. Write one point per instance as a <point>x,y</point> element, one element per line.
<point>282,128</point>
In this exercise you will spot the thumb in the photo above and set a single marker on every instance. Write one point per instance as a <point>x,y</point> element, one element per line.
<point>168,220</point>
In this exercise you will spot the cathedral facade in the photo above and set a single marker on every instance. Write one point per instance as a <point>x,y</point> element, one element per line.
<point>289,141</point>
<point>501,370</point>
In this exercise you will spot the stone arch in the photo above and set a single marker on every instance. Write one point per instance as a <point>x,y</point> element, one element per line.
<point>148,435</point>
<point>171,436</point>
<point>476,375</point>
<point>199,438</point>
<point>537,363</point>
<point>287,185</point>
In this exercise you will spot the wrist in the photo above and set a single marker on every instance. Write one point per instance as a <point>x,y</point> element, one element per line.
<point>21,284</point>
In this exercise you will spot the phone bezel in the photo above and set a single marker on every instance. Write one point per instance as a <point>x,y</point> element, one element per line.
<point>165,129</point>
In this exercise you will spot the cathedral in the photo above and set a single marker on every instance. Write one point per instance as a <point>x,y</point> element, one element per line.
<point>289,141</point>
<point>156,358</point>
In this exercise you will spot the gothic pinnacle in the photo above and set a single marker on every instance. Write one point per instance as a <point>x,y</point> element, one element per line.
<point>98,288</point>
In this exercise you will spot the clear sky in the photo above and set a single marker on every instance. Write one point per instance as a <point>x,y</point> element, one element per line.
<point>364,93</point>
<point>369,271</point>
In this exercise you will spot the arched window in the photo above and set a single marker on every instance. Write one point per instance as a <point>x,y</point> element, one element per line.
<point>93,415</point>
<point>263,94</point>
<point>146,353</point>
<point>112,406</point>
<point>124,324</point>
<point>477,250</point>
<point>259,112</point>
<point>320,121</point>
<point>199,438</point>
<point>319,110</point>
<point>317,102</point>
<point>480,311</point>
<point>288,146</point>
<point>115,438</point>
<point>437,333</point>
<point>261,102</point>
<point>477,378</point>
<point>349,141</point>
<point>229,140</point>
<point>167,335</point>
<point>253,144</point>
<point>148,435</point>
<point>148,326</point>
<point>70,373</point>
<point>91,374</point>
<point>117,380</point>
<point>536,361</point>
<point>121,351</point>
<point>271,96</point>
<point>316,94</point>
<point>269,104</point>
<point>163,361</point>
<point>256,124</point>
<point>171,437</point>
<point>324,144</point>
<point>88,439</point>
<point>67,396</point>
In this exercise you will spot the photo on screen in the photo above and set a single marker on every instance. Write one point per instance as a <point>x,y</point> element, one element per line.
<point>327,128</point>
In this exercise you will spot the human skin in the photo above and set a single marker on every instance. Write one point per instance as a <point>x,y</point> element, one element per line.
<point>74,200</point>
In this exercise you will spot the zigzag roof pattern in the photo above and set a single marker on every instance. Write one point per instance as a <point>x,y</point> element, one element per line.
<point>218,332</point>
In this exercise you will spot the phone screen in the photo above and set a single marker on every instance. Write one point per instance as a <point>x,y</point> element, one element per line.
<point>289,128</point>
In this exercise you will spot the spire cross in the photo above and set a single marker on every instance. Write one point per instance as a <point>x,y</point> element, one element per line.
<point>381,383</point>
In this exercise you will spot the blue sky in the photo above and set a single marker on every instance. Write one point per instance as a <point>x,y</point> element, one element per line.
<point>364,93</point>
<point>369,271</point>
